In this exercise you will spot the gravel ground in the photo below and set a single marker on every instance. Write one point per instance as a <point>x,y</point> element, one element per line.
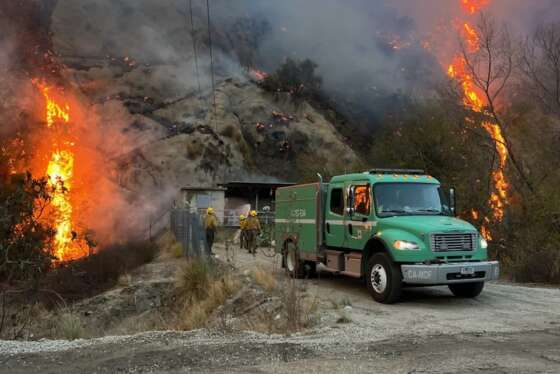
<point>508,329</point>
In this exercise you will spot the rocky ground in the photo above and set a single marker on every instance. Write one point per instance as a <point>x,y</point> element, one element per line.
<point>508,329</point>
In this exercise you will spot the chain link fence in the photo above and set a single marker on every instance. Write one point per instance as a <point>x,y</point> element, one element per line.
<point>186,225</point>
<point>189,231</point>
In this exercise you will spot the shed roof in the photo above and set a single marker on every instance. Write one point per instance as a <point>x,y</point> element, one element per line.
<point>258,184</point>
<point>202,188</point>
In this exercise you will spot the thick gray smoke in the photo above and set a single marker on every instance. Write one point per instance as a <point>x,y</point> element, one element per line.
<point>352,41</point>
<point>369,55</point>
<point>373,55</point>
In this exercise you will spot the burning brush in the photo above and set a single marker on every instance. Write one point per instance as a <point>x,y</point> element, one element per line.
<point>474,100</point>
<point>60,171</point>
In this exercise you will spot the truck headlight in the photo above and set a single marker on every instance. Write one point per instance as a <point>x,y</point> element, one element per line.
<point>404,245</point>
<point>483,243</point>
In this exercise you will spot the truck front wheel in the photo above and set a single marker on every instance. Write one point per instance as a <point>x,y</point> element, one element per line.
<point>468,290</point>
<point>383,278</point>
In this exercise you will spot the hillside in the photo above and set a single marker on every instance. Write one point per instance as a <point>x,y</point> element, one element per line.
<point>174,134</point>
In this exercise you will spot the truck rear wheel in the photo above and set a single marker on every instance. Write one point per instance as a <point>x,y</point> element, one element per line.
<point>383,278</point>
<point>294,267</point>
<point>468,290</point>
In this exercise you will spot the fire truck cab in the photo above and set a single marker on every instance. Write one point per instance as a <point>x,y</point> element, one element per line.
<point>392,228</point>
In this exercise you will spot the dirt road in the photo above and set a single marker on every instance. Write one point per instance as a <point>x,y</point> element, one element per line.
<point>508,329</point>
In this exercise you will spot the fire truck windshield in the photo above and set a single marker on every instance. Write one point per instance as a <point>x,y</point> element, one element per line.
<point>392,199</point>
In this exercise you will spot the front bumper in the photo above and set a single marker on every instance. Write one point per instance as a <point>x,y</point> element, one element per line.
<point>460,272</point>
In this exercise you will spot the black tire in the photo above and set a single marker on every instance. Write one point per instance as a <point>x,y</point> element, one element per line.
<point>379,267</point>
<point>467,290</point>
<point>310,269</point>
<point>294,267</point>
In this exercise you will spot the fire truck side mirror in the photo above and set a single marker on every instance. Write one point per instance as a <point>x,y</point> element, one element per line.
<point>452,202</point>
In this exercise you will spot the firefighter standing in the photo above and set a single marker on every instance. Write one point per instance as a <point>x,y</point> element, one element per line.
<point>210,226</point>
<point>253,229</point>
<point>242,232</point>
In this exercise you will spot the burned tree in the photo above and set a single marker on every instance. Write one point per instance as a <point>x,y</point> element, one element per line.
<point>539,64</point>
<point>488,59</point>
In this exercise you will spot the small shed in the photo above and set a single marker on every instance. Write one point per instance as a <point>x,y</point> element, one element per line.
<point>241,197</point>
<point>232,199</point>
<point>198,199</point>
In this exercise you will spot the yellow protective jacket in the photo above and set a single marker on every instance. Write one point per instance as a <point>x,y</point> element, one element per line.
<point>253,223</point>
<point>243,224</point>
<point>210,222</point>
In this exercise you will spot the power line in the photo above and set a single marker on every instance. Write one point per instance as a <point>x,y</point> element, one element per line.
<point>193,39</point>
<point>211,54</point>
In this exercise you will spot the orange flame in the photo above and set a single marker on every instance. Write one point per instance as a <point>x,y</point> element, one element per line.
<point>498,198</point>
<point>471,36</point>
<point>474,214</point>
<point>473,6</point>
<point>485,233</point>
<point>472,99</point>
<point>60,173</point>
<point>259,75</point>
<point>457,70</point>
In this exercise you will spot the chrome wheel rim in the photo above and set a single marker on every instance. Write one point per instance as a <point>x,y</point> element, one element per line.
<point>378,278</point>
<point>290,261</point>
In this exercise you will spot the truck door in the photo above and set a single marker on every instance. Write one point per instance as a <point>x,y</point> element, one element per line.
<point>358,224</point>
<point>334,216</point>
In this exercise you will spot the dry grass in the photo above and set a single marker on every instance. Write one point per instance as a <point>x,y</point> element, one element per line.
<point>193,278</point>
<point>203,287</point>
<point>69,326</point>
<point>153,320</point>
<point>169,246</point>
<point>300,312</point>
<point>265,279</point>
<point>289,310</point>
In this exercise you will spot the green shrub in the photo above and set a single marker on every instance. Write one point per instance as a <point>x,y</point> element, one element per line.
<point>26,241</point>
<point>296,78</point>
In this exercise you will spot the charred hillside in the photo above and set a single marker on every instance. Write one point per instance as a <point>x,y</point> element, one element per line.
<point>180,137</point>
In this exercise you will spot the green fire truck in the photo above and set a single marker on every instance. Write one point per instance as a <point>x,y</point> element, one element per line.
<point>392,228</point>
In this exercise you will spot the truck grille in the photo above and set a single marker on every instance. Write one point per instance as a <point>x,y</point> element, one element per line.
<point>453,242</point>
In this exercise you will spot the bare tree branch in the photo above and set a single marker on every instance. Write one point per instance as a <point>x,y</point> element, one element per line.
<point>490,67</point>
<point>539,65</point>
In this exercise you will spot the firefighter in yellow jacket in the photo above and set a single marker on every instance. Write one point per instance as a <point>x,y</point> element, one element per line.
<point>253,228</point>
<point>210,226</point>
<point>242,232</point>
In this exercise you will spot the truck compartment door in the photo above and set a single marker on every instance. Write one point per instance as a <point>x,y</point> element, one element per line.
<point>334,216</point>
